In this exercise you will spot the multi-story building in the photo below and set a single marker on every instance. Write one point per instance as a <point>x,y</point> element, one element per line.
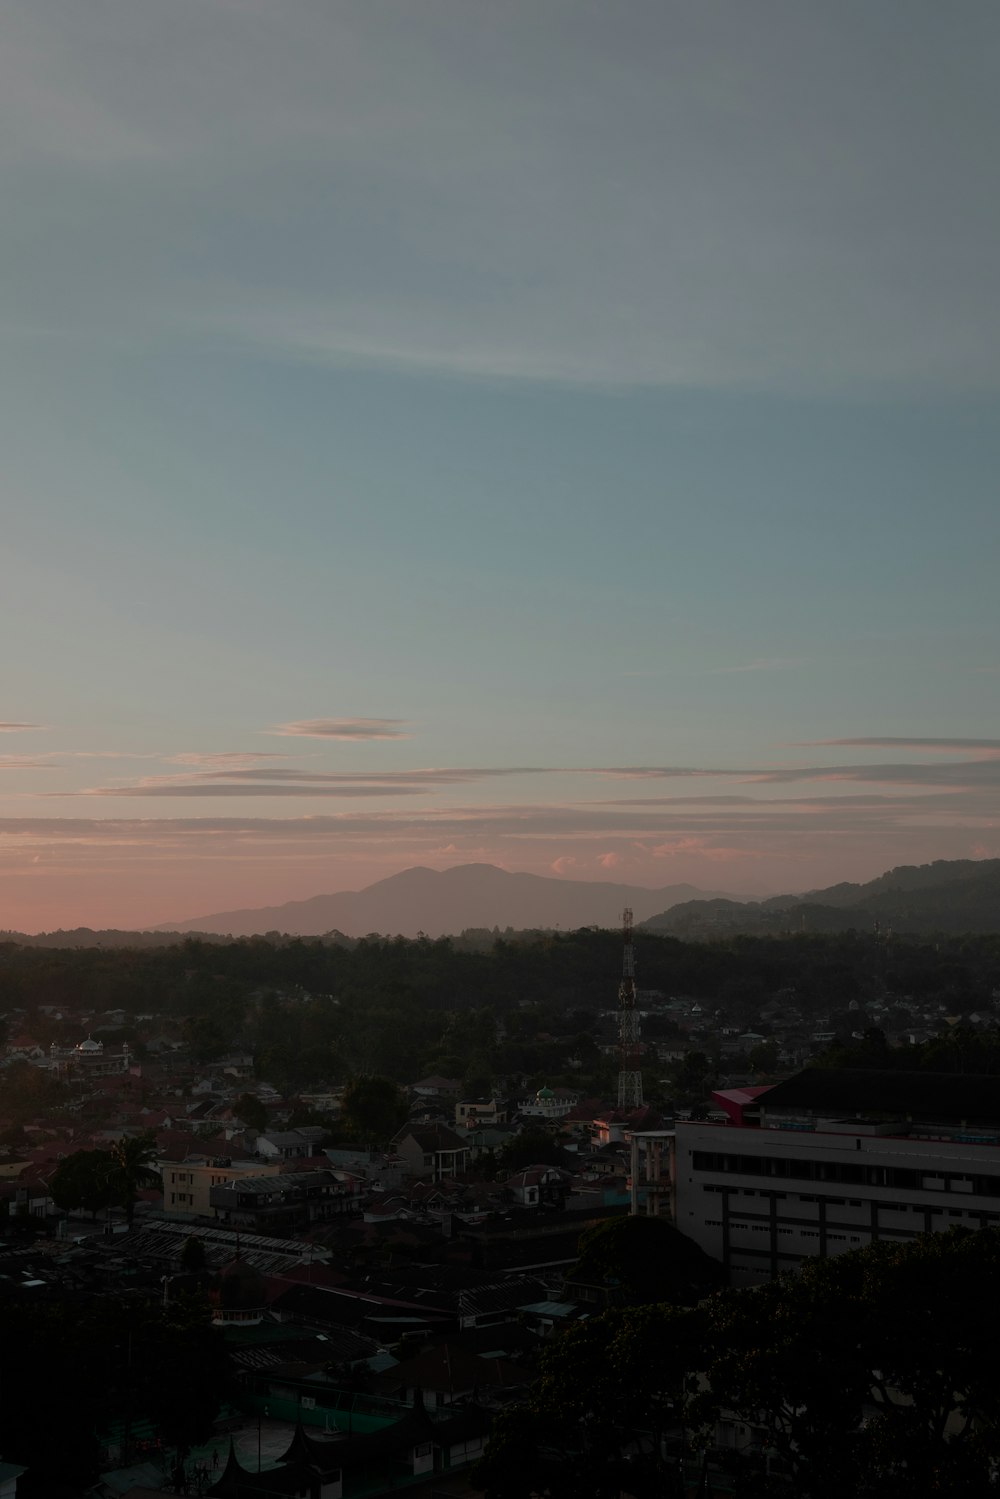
<point>284,1204</point>
<point>832,1160</point>
<point>187,1184</point>
<point>473,1112</point>
<point>431,1150</point>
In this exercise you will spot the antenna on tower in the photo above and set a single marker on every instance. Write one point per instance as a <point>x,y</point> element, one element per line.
<point>630,1072</point>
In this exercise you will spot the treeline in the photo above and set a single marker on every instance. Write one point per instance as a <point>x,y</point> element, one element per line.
<point>314,1011</point>
<point>558,969</point>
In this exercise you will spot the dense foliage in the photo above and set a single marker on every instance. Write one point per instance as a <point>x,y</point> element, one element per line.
<point>90,1180</point>
<point>314,1011</point>
<point>634,1261</point>
<point>75,1368</point>
<point>868,1374</point>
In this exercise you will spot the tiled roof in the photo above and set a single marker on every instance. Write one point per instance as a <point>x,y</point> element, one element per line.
<point>431,1137</point>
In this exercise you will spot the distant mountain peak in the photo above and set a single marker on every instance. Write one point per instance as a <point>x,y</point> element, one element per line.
<point>446,902</point>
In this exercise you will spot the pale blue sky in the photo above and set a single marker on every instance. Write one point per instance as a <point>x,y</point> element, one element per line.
<point>580,386</point>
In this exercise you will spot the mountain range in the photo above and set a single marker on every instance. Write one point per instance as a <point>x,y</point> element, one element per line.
<point>446,902</point>
<point>948,896</point>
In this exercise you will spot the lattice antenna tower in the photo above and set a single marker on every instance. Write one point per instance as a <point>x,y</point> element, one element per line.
<point>630,1071</point>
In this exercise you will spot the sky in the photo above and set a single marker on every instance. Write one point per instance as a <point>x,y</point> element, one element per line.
<point>555,434</point>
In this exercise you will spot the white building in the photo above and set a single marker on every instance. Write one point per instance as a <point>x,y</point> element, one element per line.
<point>548,1103</point>
<point>89,1059</point>
<point>833,1160</point>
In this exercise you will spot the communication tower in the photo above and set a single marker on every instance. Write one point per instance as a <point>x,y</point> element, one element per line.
<point>630,1071</point>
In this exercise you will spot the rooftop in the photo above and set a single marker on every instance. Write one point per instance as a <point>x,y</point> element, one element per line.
<point>939,1096</point>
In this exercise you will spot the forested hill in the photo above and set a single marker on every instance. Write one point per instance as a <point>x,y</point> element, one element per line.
<point>948,896</point>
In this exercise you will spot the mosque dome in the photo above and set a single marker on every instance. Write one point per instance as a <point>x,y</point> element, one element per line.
<point>544,1093</point>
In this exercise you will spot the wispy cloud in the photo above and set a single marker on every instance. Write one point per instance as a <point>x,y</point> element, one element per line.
<point>224,759</point>
<point>250,788</point>
<point>288,781</point>
<point>984,772</point>
<point>343,728</point>
<point>538,821</point>
<point>768,663</point>
<point>19,728</point>
<point>510,256</point>
<point>981,773</point>
<point>700,848</point>
<point>934,746</point>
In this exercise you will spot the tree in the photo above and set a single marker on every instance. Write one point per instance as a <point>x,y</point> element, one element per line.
<point>131,1169</point>
<point>99,1361</point>
<point>534,1146</point>
<point>871,1370</point>
<point>692,1078</point>
<point>372,1109</point>
<point>250,1110</point>
<point>764,1056</point>
<point>869,1374</point>
<point>192,1255</point>
<point>82,1182</point>
<point>641,1260</point>
<point>593,1426</point>
<point>206,1037</point>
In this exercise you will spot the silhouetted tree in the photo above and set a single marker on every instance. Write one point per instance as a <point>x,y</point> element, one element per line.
<point>82,1182</point>
<point>131,1169</point>
<point>372,1109</point>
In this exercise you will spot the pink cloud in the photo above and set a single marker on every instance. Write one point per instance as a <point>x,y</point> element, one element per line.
<point>609,861</point>
<point>19,728</point>
<point>700,849</point>
<point>350,729</point>
<point>988,747</point>
<point>224,759</point>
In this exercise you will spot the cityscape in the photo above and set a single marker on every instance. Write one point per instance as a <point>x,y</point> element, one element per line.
<point>500,790</point>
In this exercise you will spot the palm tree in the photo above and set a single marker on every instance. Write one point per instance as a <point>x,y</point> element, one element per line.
<point>131,1169</point>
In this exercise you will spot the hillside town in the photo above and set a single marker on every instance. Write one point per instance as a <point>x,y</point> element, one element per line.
<point>386,1262</point>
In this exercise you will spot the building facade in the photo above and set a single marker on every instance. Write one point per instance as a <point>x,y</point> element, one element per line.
<point>431,1150</point>
<point>281,1205</point>
<point>187,1184</point>
<point>831,1161</point>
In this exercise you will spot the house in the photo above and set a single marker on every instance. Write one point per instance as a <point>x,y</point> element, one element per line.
<point>436,1087</point>
<point>9,1474</point>
<point>289,1144</point>
<point>188,1183</point>
<point>396,1453</point>
<point>283,1204</point>
<point>24,1049</point>
<point>537,1186</point>
<point>447,1372</point>
<point>473,1112</point>
<point>431,1150</point>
